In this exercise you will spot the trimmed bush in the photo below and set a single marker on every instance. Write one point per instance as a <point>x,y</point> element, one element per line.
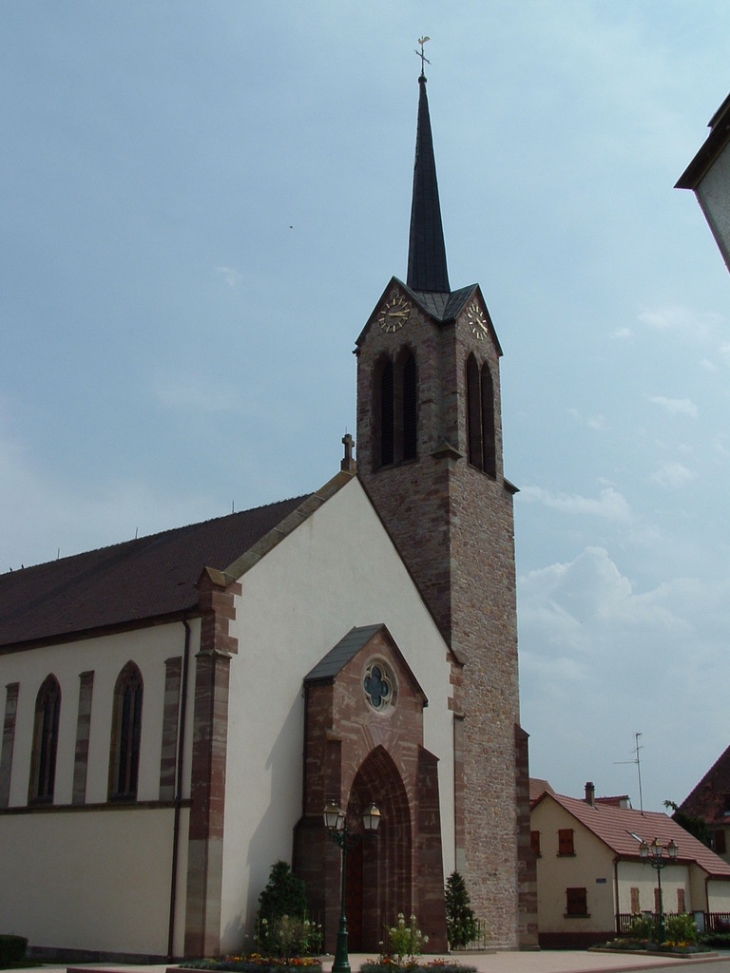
<point>461,927</point>
<point>12,950</point>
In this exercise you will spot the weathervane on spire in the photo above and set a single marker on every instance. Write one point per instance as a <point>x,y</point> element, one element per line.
<point>424,59</point>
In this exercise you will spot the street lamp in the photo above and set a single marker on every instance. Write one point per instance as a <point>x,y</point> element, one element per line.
<point>653,855</point>
<point>335,821</point>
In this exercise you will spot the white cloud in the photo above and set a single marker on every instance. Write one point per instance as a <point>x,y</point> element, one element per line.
<point>230,275</point>
<point>697,325</point>
<point>600,660</point>
<point>673,476</point>
<point>623,333</point>
<point>675,407</point>
<point>610,503</point>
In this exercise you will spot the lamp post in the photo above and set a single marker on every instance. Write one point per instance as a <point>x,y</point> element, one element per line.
<point>653,855</point>
<point>335,821</point>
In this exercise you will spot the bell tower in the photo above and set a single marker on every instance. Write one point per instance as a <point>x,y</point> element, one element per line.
<point>429,437</point>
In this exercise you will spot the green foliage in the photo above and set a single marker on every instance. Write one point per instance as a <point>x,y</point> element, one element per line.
<point>461,926</point>
<point>405,942</point>
<point>695,826</point>
<point>680,929</point>
<point>283,928</point>
<point>718,940</point>
<point>642,927</point>
<point>12,950</point>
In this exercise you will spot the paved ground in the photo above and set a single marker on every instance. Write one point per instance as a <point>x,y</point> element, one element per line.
<point>545,961</point>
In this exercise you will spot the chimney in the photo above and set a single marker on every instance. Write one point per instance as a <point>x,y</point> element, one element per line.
<point>590,793</point>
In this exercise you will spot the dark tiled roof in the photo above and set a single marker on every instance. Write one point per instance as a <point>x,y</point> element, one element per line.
<point>617,826</point>
<point>709,150</point>
<point>443,307</point>
<point>345,650</point>
<point>711,797</point>
<point>140,579</point>
<point>426,251</point>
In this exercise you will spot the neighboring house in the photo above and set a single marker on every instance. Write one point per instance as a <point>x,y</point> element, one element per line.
<point>708,176</point>
<point>710,802</point>
<point>591,878</point>
<point>178,709</point>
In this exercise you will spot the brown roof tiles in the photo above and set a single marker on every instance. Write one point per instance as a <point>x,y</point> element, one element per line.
<point>130,582</point>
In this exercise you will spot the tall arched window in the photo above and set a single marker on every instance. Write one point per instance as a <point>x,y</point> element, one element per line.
<point>480,417</point>
<point>387,414</point>
<point>410,407</point>
<point>126,735</point>
<point>45,742</point>
<point>395,399</point>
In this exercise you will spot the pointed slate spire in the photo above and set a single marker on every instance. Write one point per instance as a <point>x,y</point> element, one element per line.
<point>427,251</point>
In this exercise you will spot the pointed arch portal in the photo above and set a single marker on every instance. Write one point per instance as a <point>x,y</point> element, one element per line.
<point>379,867</point>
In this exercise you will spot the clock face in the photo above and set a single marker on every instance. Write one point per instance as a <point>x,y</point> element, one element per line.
<point>477,321</point>
<point>394,315</point>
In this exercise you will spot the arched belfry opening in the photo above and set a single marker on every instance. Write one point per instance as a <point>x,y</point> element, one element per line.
<point>395,408</point>
<point>480,416</point>
<point>379,868</point>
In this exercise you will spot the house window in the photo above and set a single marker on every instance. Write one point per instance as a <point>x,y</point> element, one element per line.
<point>576,902</point>
<point>535,841</point>
<point>45,742</point>
<point>565,842</point>
<point>395,390</point>
<point>719,841</point>
<point>635,901</point>
<point>126,735</point>
<point>681,905</point>
<point>480,417</point>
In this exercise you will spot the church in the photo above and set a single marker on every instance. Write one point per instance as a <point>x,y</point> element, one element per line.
<point>178,709</point>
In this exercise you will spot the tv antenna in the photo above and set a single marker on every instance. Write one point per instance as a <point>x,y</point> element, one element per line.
<point>637,760</point>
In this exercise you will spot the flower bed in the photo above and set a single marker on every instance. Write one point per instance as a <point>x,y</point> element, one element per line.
<point>256,964</point>
<point>415,966</point>
<point>629,945</point>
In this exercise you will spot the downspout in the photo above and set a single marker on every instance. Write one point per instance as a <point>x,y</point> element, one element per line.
<point>178,790</point>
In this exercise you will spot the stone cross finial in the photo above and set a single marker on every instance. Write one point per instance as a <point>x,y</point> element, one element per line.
<point>348,464</point>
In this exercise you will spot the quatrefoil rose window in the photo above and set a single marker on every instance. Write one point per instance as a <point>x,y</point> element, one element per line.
<point>378,685</point>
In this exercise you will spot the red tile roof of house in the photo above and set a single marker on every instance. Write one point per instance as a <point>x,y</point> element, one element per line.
<point>710,799</point>
<point>538,788</point>
<point>622,830</point>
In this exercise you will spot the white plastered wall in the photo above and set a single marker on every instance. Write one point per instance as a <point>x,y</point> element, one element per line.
<point>65,873</point>
<point>337,570</point>
<point>643,877</point>
<point>718,894</point>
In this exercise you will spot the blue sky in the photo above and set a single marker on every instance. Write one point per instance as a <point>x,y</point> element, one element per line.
<point>203,202</point>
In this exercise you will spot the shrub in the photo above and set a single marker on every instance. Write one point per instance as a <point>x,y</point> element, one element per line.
<point>642,927</point>
<point>405,941</point>
<point>680,929</point>
<point>12,950</point>
<point>282,927</point>
<point>461,927</point>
